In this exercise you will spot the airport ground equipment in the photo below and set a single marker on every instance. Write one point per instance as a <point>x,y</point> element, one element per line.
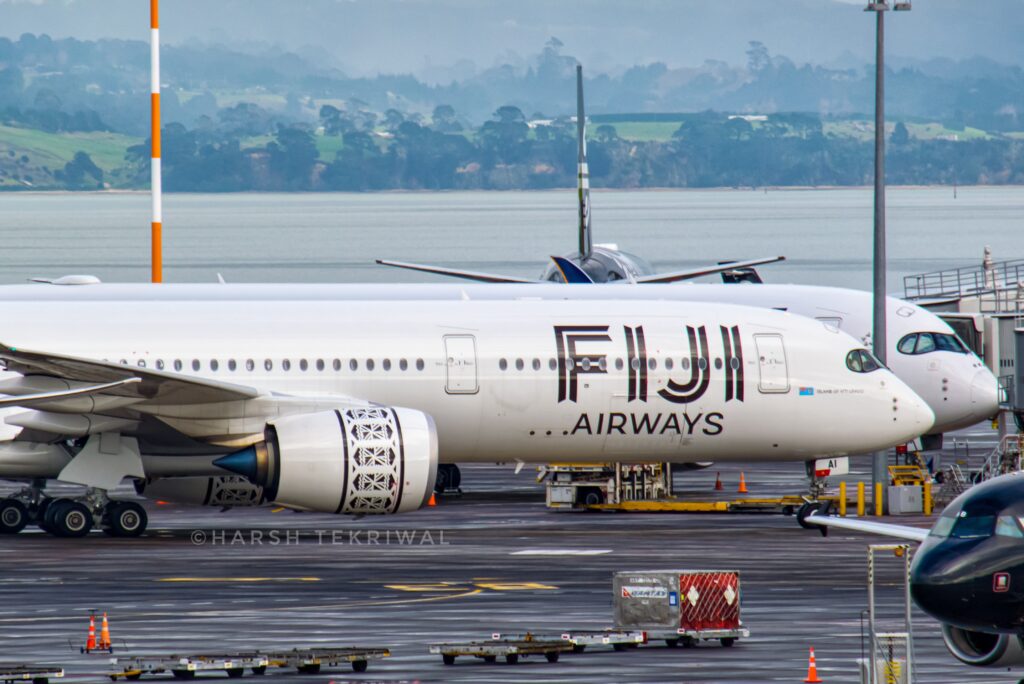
<point>681,606</point>
<point>617,639</point>
<point>579,485</point>
<point>38,674</point>
<point>511,650</point>
<point>890,658</point>
<point>187,666</point>
<point>311,660</point>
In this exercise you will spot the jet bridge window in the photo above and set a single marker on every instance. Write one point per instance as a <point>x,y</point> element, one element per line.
<point>925,342</point>
<point>861,361</point>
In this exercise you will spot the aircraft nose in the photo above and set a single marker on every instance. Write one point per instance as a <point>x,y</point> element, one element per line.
<point>913,413</point>
<point>935,586</point>
<point>984,394</point>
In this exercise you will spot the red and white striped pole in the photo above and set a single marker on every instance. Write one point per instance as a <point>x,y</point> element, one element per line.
<point>154,104</point>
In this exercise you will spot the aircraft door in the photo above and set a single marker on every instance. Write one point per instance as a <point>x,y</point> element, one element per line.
<point>771,354</point>
<point>460,364</point>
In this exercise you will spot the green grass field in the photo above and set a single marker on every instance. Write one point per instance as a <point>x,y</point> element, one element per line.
<point>56,149</point>
<point>641,131</point>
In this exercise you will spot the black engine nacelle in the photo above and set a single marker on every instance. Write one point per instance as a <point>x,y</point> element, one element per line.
<point>370,459</point>
<point>227,490</point>
<point>982,649</point>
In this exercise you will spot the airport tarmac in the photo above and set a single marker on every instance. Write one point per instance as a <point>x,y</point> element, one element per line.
<point>493,560</point>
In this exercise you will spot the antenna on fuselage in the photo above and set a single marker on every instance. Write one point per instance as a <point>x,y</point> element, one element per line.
<point>586,245</point>
<point>156,230</point>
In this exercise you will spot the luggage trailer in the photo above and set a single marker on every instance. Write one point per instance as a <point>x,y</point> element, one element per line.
<point>303,660</point>
<point>38,674</point>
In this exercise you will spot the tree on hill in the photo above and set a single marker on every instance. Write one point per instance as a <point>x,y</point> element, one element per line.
<point>80,173</point>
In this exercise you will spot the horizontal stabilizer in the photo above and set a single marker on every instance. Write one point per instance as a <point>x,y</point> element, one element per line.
<point>885,529</point>
<point>706,270</point>
<point>456,273</point>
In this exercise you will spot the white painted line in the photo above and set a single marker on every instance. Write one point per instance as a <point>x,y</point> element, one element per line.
<point>561,552</point>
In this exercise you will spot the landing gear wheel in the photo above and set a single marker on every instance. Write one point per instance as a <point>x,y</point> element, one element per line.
<point>69,519</point>
<point>125,519</point>
<point>359,665</point>
<point>40,514</point>
<point>805,512</point>
<point>13,516</point>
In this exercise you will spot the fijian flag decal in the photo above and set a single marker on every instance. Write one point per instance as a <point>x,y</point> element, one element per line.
<point>700,370</point>
<point>636,362</point>
<point>733,362</point>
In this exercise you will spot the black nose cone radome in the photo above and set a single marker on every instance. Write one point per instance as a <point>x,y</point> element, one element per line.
<point>242,463</point>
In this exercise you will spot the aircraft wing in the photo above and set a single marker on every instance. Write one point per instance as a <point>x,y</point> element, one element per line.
<point>885,529</point>
<point>706,270</point>
<point>148,384</point>
<point>456,273</point>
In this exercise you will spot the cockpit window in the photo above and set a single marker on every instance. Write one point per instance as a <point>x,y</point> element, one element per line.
<point>973,527</point>
<point>943,526</point>
<point>861,361</point>
<point>925,342</point>
<point>1009,526</point>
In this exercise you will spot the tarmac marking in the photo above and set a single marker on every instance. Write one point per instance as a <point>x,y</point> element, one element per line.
<point>438,586</point>
<point>561,552</point>
<point>515,586</point>
<point>245,580</point>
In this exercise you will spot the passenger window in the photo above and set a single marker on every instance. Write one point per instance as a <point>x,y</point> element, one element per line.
<point>195,364</point>
<point>536,364</point>
<point>519,364</point>
<point>177,364</point>
<point>159,364</point>
<point>552,364</point>
<point>668,363</point>
<point>214,365</point>
<point>286,365</point>
<point>419,364</point>
<point>386,364</point>
<point>232,365</point>
<point>502,364</point>
<point>303,365</point>
<point>403,364</point>
<point>337,365</point>
<point>353,365</point>
<point>369,364</point>
<point>142,363</point>
<point>1007,526</point>
<point>268,365</point>
<point>250,365</point>
<point>319,364</point>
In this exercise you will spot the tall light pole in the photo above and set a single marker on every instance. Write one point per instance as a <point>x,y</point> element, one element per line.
<point>879,473</point>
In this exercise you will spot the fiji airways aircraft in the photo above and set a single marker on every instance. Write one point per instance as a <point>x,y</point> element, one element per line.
<point>921,348</point>
<point>346,404</point>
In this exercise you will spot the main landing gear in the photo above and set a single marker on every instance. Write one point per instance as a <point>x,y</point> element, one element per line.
<point>65,517</point>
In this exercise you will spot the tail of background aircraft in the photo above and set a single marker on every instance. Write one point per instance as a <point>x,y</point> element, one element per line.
<point>586,243</point>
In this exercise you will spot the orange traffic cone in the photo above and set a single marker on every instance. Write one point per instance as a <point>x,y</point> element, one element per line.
<point>743,484</point>
<point>433,499</point>
<point>812,670</point>
<point>105,644</point>
<point>718,482</point>
<point>90,642</point>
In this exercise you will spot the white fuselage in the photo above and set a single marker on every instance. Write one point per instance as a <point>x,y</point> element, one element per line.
<point>525,380</point>
<point>957,386</point>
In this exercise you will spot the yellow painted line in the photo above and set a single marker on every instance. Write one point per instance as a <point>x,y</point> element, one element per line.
<point>401,602</point>
<point>239,579</point>
<point>278,510</point>
<point>439,586</point>
<point>514,586</point>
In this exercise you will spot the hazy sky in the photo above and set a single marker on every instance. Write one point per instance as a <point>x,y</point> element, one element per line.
<point>368,36</point>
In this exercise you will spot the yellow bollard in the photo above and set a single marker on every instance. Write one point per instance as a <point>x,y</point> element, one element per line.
<point>926,499</point>
<point>860,499</point>
<point>842,499</point>
<point>878,500</point>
